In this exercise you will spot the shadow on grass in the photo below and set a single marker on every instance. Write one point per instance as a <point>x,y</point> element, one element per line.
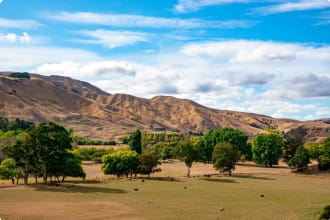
<point>253,177</point>
<point>165,179</point>
<point>218,180</point>
<point>67,188</point>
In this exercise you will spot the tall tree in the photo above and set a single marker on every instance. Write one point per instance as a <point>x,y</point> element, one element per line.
<point>187,152</point>
<point>300,159</point>
<point>267,148</point>
<point>135,141</point>
<point>290,146</point>
<point>148,164</point>
<point>225,156</point>
<point>9,170</point>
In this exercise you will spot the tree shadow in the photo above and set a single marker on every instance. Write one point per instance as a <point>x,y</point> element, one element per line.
<point>253,177</point>
<point>218,180</point>
<point>71,188</point>
<point>165,179</point>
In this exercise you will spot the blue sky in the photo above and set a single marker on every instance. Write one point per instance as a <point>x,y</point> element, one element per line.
<point>270,57</point>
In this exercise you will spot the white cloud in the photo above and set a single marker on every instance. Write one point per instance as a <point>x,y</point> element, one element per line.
<point>112,39</point>
<point>184,6</point>
<point>300,5</point>
<point>14,38</point>
<point>139,21</point>
<point>19,24</point>
<point>1,1</point>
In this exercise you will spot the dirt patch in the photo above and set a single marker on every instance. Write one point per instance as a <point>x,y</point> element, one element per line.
<point>91,210</point>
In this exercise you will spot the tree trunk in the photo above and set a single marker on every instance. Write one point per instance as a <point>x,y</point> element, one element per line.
<point>17,181</point>
<point>63,178</point>
<point>45,176</point>
<point>12,180</point>
<point>26,177</point>
<point>188,172</point>
<point>36,178</point>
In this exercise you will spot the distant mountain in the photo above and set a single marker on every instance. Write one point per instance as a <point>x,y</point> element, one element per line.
<point>94,113</point>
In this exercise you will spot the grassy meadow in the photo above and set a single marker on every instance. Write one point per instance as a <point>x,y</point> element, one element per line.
<point>285,197</point>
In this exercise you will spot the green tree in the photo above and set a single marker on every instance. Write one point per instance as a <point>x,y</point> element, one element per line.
<point>267,148</point>
<point>314,150</point>
<point>73,167</point>
<point>51,142</point>
<point>148,164</point>
<point>9,170</point>
<point>225,156</point>
<point>120,163</point>
<point>300,159</point>
<point>229,135</point>
<point>187,152</point>
<point>290,146</point>
<point>325,214</point>
<point>135,141</point>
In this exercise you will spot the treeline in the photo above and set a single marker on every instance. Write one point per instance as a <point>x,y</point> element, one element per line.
<point>7,125</point>
<point>43,151</point>
<point>225,147</point>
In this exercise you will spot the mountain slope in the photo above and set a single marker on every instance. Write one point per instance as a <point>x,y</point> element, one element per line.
<point>97,114</point>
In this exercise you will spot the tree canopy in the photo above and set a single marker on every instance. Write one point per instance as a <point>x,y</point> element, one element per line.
<point>225,155</point>
<point>267,148</point>
<point>135,141</point>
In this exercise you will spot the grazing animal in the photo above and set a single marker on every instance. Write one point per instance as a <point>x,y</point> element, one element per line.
<point>185,187</point>
<point>136,189</point>
<point>221,209</point>
<point>262,195</point>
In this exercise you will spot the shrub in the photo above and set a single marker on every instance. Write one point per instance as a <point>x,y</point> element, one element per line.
<point>325,214</point>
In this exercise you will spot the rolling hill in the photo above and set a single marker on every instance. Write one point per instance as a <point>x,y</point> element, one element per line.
<point>94,113</point>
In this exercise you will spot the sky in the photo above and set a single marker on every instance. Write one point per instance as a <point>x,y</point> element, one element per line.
<point>269,57</point>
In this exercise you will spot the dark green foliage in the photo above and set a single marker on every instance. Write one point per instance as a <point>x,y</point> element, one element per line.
<point>225,155</point>
<point>325,214</point>
<point>73,167</point>
<point>17,124</point>
<point>9,170</point>
<point>324,162</point>
<point>300,159</point>
<point>162,150</point>
<point>229,135</point>
<point>188,153</point>
<point>23,75</point>
<point>290,147</point>
<point>148,164</point>
<point>135,143</point>
<point>267,148</point>
<point>120,163</point>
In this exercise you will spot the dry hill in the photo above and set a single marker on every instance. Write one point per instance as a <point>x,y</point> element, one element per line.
<point>97,114</point>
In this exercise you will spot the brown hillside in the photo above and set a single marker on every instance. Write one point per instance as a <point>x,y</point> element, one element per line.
<point>97,114</point>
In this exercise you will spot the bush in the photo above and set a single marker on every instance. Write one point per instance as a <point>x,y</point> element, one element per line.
<point>325,214</point>
<point>324,162</point>
<point>20,75</point>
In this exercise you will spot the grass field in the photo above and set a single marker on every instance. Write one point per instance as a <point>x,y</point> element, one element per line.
<point>285,197</point>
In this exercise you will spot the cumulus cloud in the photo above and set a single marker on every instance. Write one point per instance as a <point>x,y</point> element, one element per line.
<point>112,39</point>
<point>128,20</point>
<point>312,85</point>
<point>184,6</point>
<point>93,69</point>
<point>14,38</point>
<point>251,79</point>
<point>300,5</point>
<point>19,24</point>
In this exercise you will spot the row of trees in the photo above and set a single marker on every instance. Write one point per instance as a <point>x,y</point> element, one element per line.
<point>42,151</point>
<point>224,147</point>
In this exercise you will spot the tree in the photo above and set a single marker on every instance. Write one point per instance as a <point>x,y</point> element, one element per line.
<point>9,170</point>
<point>51,143</point>
<point>290,146</point>
<point>148,164</point>
<point>313,149</point>
<point>229,135</point>
<point>225,155</point>
<point>73,167</point>
<point>325,214</point>
<point>120,163</point>
<point>135,142</point>
<point>25,156</point>
<point>267,148</point>
<point>187,152</point>
<point>300,159</point>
